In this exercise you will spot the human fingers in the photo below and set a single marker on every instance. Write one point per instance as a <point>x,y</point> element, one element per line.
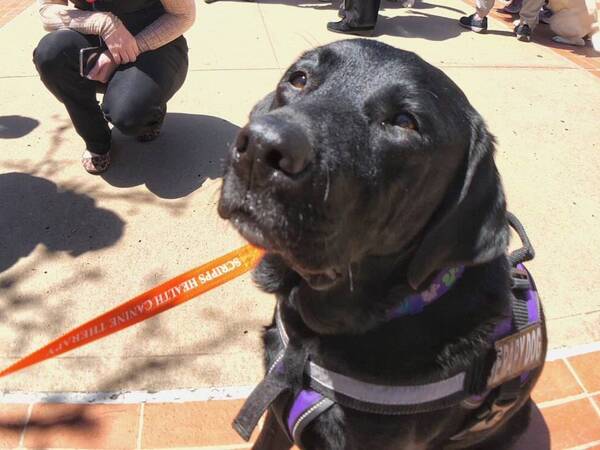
<point>108,71</point>
<point>93,73</point>
<point>131,55</point>
<point>115,52</point>
<point>135,47</point>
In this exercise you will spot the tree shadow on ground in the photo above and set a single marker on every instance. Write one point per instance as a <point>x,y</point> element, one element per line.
<point>189,150</point>
<point>13,127</point>
<point>83,419</point>
<point>34,210</point>
<point>25,314</point>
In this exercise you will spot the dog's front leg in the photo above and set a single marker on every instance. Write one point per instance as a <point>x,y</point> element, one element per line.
<point>272,437</point>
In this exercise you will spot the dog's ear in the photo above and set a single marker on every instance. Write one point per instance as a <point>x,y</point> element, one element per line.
<point>263,106</point>
<point>472,227</point>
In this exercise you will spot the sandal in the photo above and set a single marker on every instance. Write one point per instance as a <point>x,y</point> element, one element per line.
<point>95,163</point>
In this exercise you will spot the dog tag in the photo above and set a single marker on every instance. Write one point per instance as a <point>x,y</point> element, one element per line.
<point>516,354</point>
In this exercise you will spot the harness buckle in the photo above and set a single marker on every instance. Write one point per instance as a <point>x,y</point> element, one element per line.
<point>520,279</point>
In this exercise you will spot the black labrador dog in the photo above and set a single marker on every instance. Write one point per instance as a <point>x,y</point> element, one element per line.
<point>363,175</point>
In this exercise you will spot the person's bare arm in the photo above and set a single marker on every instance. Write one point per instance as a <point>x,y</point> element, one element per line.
<point>56,14</point>
<point>178,18</point>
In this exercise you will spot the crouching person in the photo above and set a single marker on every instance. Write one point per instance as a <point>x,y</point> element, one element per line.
<point>142,62</point>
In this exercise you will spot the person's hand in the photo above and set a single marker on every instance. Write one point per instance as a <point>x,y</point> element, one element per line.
<point>122,45</point>
<point>103,69</point>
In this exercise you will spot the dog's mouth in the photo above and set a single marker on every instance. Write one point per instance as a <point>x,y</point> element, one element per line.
<point>320,279</point>
<point>250,230</point>
<point>323,280</point>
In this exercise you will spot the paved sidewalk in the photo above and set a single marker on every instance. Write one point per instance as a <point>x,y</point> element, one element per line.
<point>72,246</point>
<point>80,244</point>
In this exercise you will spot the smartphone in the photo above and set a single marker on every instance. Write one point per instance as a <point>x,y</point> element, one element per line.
<point>87,59</point>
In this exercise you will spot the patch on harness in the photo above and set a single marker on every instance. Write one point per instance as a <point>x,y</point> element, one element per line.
<point>516,354</point>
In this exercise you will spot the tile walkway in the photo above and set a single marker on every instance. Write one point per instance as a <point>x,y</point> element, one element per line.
<point>567,417</point>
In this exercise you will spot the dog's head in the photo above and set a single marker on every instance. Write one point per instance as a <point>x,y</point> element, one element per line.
<point>364,150</point>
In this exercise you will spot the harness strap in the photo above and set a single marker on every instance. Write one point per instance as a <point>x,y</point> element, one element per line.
<point>267,392</point>
<point>525,253</point>
<point>526,319</point>
<point>384,399</point>
<point>307,406</point>
<point>517,343</point>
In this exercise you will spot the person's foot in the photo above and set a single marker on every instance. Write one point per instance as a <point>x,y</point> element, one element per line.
<point>545,15</point>
<point>523,32</point>
<point>95,163</point>
<point>343,27</point>
<point>473,23</point>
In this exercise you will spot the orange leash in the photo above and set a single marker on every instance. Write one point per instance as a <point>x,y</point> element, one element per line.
<point>158,299</point>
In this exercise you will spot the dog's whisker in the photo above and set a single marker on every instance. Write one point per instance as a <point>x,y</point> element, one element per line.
<point>326,196</point>
<point>433,94</point>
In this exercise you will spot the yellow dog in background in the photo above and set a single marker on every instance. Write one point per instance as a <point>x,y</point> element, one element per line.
<point>573,20</point>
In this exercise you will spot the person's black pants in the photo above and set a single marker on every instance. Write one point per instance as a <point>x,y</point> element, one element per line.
<point>361,13</point>
<point>135,97</point>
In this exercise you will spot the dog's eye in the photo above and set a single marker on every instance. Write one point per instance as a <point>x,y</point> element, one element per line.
<point>298,80</point>
<point>404,120</point>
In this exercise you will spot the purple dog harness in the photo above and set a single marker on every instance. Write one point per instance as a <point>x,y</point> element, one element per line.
<point>518,347</point>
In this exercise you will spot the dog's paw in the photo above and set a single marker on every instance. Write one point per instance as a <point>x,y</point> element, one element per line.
<point>579,42</point>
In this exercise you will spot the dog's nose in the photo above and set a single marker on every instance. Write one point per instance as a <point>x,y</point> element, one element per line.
<point>275,142</point>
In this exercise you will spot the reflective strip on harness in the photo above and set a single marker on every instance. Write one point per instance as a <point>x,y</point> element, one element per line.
<point>382,394</point>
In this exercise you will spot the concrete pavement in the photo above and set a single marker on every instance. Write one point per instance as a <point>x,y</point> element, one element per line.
<point>73,245</point>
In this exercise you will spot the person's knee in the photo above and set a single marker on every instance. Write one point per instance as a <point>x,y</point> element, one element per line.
<point>51,55</point>
<point>129,118</point>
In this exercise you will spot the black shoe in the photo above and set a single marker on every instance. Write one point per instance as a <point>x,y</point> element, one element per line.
<point>343,27</point>
<point>469,22</point>
<point>523,32</point>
